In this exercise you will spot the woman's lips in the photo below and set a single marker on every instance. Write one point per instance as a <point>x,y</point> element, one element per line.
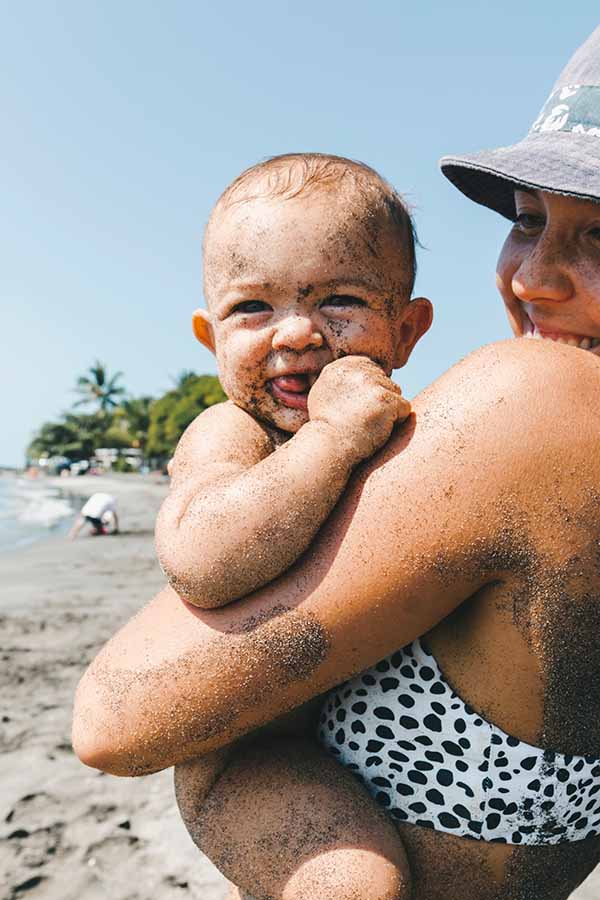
<point>291,390</point>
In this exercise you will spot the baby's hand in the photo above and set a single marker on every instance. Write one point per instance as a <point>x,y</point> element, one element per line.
<point>355,396</point>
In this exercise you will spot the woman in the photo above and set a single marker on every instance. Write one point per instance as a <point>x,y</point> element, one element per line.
<point>476,526</point>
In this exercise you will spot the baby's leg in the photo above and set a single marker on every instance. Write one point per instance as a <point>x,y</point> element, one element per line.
<point>284,821</point>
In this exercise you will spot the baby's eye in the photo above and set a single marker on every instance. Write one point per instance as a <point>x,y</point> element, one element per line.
<point>528,222</point>
<point>341,300</point>
<point>251,306</point>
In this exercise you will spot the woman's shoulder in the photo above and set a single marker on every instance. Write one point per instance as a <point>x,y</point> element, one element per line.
<point>508,409</point>
<point>526,379</point>
<point>537,362</point>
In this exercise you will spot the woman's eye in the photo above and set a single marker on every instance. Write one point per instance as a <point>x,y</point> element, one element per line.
<point>341,300</point>
<point>529,221</point>
<point>251,306</point>
<point>594,232</point>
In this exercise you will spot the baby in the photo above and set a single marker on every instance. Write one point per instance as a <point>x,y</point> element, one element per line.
<point>309,265</point>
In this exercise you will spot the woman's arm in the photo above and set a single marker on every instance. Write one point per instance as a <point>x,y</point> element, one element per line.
<point>430,520</point>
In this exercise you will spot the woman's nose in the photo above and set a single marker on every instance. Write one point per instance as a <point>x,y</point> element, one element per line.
<point>543,274</point>
<point>296,332</point>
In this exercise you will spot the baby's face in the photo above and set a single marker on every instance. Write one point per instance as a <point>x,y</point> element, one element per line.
<point>292,285</point>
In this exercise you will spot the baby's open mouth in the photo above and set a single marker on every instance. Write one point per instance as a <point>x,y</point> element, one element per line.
<point>292,390</point>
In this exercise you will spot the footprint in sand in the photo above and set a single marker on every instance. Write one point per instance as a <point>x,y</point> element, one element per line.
<point>33,837</point>
<point>32,807</point>
<point>101,811</point>
<point>108,854</point>
<point>35,829</point>
<point>33,848</point>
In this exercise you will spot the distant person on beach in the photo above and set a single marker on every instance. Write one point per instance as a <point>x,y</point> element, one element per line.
<point>100,511</point>
<point>456,584</point>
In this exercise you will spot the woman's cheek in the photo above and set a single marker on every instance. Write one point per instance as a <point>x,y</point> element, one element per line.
<point>507,265</point>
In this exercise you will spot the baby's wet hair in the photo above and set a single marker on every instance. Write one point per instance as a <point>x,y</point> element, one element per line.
<point>293,175</point>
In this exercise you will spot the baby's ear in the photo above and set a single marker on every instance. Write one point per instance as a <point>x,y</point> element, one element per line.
<point>416,320</point>
<point>203,329</point>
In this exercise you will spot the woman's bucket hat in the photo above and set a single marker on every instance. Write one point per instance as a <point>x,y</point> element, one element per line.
<point>561,153</point>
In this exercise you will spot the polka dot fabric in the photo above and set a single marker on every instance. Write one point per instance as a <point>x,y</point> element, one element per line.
<point>431,760</point>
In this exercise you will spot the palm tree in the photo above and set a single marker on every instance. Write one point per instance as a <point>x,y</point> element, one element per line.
<point>99,388</point>
<point>183,378</point>
<point>133,419</point>
<point>76,437</point>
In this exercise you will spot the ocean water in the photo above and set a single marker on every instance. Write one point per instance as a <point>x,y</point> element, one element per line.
<point>31,510</point>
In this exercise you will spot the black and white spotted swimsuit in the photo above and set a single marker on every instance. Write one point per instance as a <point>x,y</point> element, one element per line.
<point>431,760</point>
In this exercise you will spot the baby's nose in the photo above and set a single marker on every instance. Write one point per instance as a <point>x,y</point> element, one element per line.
<point>297,332</point>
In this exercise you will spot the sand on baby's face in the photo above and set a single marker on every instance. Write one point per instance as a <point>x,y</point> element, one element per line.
<point>288,257</point>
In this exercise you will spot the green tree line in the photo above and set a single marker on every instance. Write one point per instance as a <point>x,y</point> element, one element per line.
<point>150,424</point>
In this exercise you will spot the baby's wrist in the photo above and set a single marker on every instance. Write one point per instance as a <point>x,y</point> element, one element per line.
<point>344,448</point>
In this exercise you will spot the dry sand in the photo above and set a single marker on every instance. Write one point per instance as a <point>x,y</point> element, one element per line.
<point>68,832</point>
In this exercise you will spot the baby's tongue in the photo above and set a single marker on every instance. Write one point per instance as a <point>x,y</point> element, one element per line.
<point>295,384</point>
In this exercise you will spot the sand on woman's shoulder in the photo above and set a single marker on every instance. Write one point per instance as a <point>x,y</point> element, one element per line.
<point>68,832</point>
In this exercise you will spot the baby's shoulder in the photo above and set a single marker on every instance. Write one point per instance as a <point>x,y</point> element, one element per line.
<point>221,415</point>
<point>225,432</point>
<point>226,417</point>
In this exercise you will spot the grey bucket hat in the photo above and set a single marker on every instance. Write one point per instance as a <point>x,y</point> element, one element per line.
<point>561,153</point>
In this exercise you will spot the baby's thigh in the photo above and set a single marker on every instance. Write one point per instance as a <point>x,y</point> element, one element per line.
<point>287,822</point>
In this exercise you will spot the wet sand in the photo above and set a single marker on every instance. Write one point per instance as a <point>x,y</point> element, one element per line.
<point>68,832</point>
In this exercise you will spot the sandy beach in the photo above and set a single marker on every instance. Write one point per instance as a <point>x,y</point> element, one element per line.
<point>69,832</point>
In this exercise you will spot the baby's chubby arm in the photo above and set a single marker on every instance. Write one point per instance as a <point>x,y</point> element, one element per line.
<point>240,512</point>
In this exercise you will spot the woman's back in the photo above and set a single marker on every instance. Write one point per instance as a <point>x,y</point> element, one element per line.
<point>523,654</point>
<point>526,654</point>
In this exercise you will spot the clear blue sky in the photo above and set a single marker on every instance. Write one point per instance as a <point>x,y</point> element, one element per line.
<point>122,123</point>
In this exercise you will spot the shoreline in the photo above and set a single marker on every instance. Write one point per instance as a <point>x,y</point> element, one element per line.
<point>38,509</point>
<point>69,832</point>
<point>32,510</point>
